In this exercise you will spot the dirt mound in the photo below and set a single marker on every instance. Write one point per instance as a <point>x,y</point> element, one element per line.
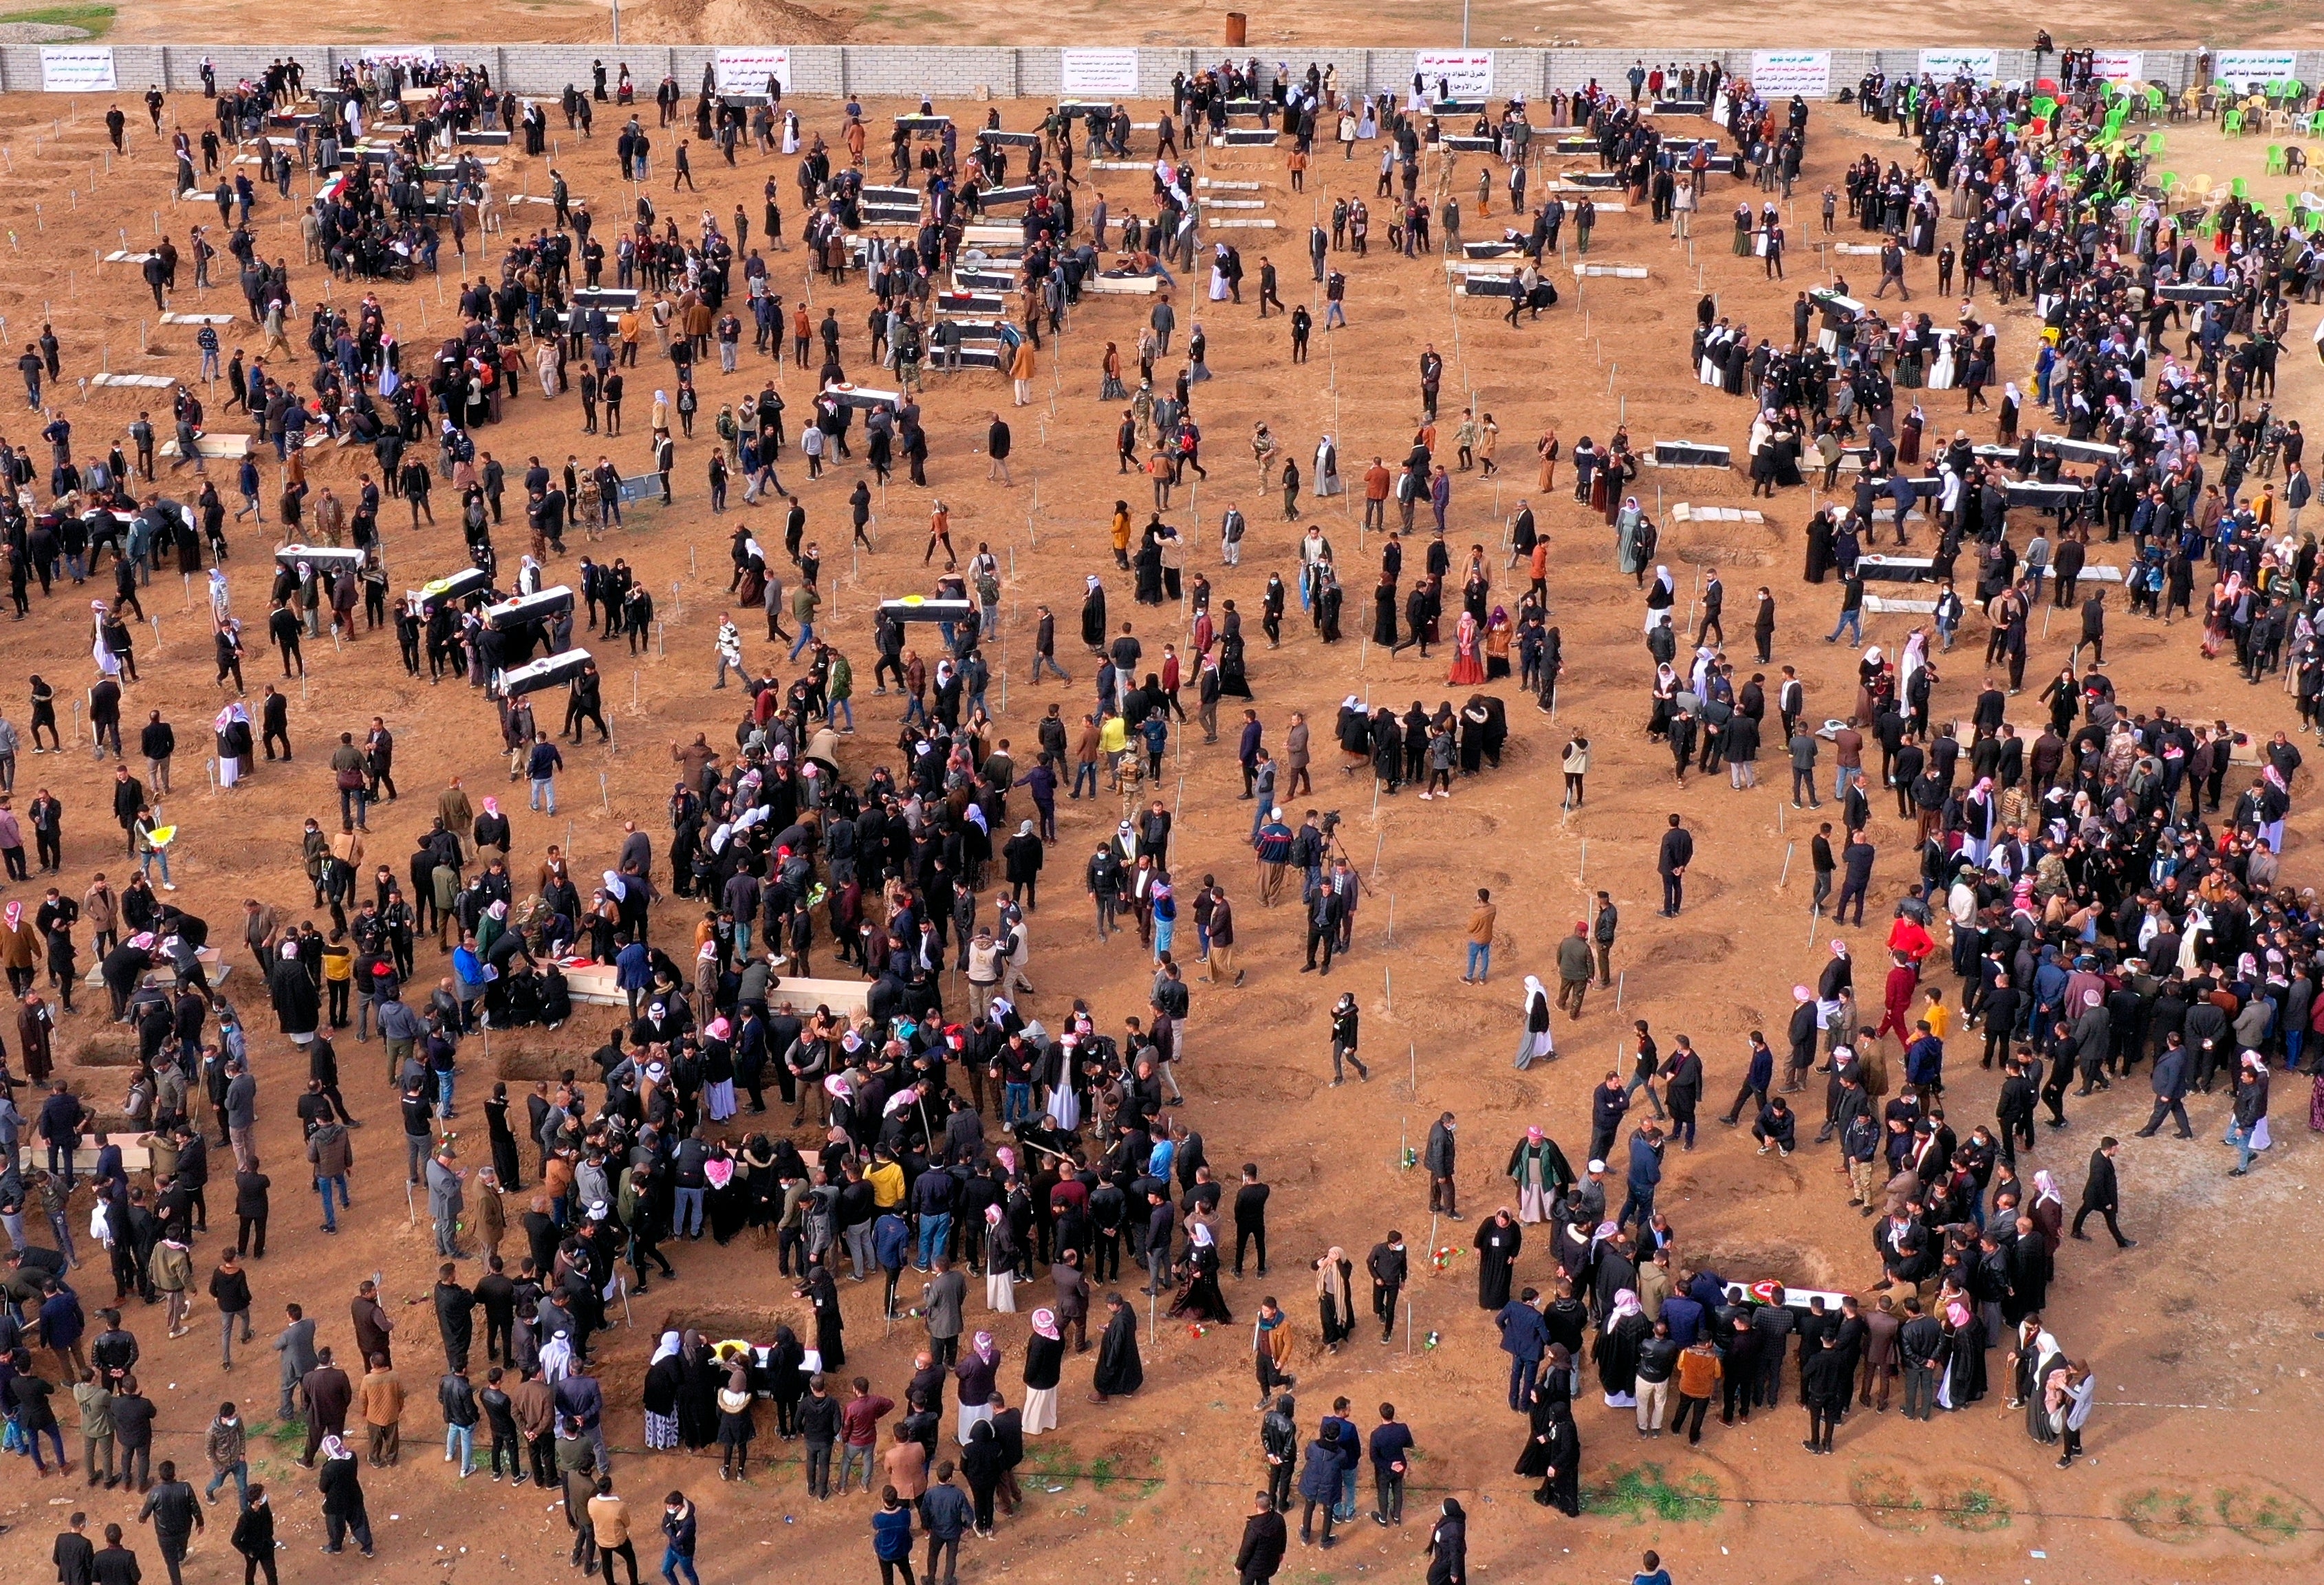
<point>731,21</point>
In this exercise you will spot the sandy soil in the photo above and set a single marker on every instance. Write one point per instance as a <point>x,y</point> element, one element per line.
<point>1177,23</point>
<point>2204,1342</point>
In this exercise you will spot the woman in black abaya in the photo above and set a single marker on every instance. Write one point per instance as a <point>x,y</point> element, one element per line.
<point>818,1290</point>
<point>1120,1371</point>
<point>1448,1547</point>
<point>785,1382</point>
<point>1201,1299</point>
<point>1384,612</point>
<point>1498,1242</point>
<point>1819,548</point>
<point>697,1399</point>
<point>504,1139</point>
<point>1148,562</point>
<point>1558,1447</point>
<point>1094,616</point>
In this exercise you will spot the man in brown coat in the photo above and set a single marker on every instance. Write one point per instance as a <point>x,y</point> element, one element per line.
<point>1881,1324</point>
<point>534,1404</point>
<point>383,1411</point>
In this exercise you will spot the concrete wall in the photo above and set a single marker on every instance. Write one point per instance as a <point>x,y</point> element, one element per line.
<point>897,70</point>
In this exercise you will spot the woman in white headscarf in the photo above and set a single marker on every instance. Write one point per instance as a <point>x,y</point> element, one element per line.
<point>1535,1041</point>
<point>665,1380</point>
<point>1326,481</point>
<point>1662,593</point>
<point>221,602</point>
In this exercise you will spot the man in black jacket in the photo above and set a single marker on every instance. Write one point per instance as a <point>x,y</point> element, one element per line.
<point>2102,1194</point>
<point>1676,853</point>
<point>73,1554</point>
<point>2170,1081</point>
<point>1388,1264</point>
<point>1264,1538</point>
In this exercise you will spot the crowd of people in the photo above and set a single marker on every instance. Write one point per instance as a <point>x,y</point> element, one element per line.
<point>2095,907</point>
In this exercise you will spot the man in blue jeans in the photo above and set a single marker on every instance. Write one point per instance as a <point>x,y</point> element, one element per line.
<point>1480,938</point>
<point>678,1529</point>
<point>1645,1175</point>
<point>692,1155</point>
<point>1351,1449</point>
<point>542,766</point>
<point>331,1152</point>
<point>1017,1083</point>
<point>932,1200</point>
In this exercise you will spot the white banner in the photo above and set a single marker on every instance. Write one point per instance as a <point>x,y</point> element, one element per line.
<point>1779,74</point>
<point>2245,68</point>
<point>390,54</point>
<point>2121,67</point>
<point>745,69</point>
<point>1097,74</point>
<point>1982,66</point>
<point>73,69</point>
<point>1468,73</point>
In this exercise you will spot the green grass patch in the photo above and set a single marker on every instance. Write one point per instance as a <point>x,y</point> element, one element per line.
<point>2172,1517</point>
<point>1646,1493</point>
<point>1974,1507</point>
<point>1886,1497</point>
<point>2264,1516</point>
<point>94,20</point>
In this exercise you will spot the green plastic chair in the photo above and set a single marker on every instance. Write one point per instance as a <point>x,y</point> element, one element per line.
<point>2155,145</point>
<point>2232,122</point>
<point>2167,180</point>
<point>2156,100</point>
<point>2237,186</point>
<point>2276,160</point>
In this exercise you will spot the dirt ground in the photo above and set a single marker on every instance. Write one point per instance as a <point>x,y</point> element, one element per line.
<point>2205,1342</point>
<point>1177,23</point>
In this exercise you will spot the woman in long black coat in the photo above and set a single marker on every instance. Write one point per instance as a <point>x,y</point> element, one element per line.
<point>1384,612</point>
<point>820,1290</point>
<point>1448,1547</point>
<point>785,1382</point>
<point>504,1139</point>
<point>1094,616</point>
<point>698,1400</point>
<point>1120,1371</point>
<point>1555,1453</point>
